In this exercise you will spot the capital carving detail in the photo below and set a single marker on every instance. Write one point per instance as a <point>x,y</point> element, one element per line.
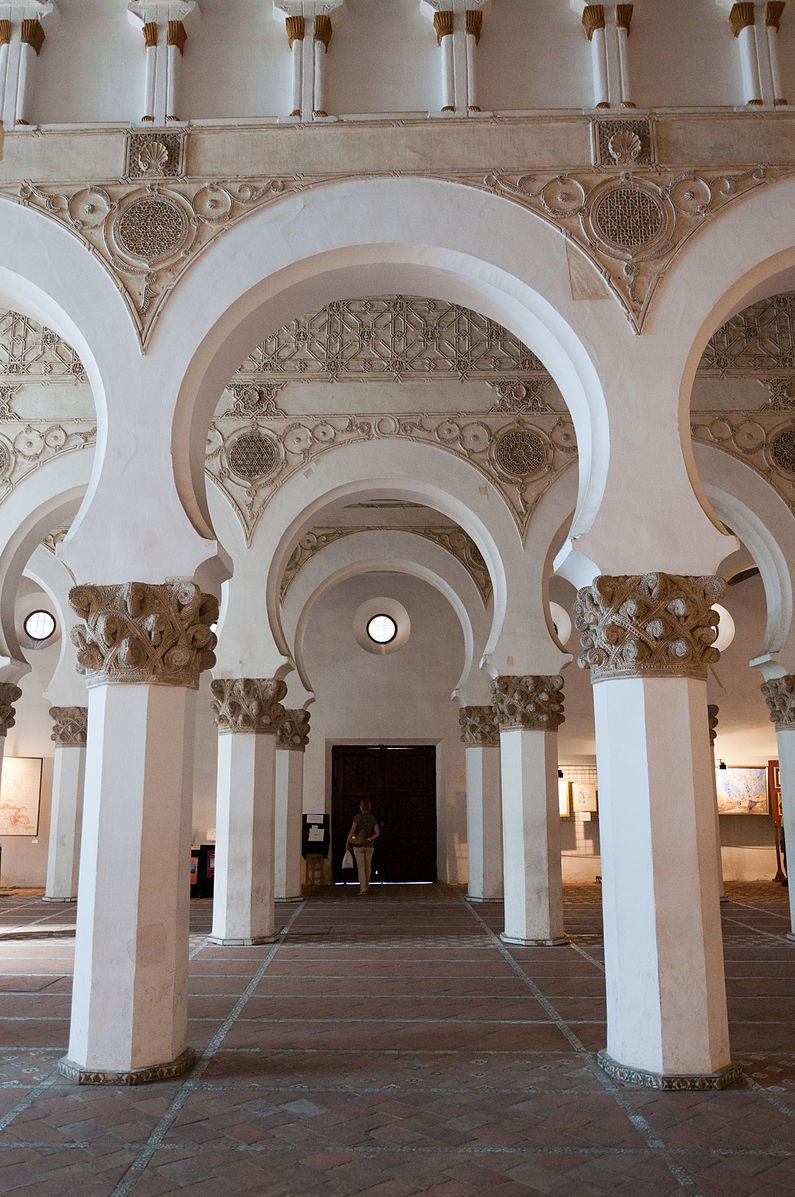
<point>248,705</point>
<point>779,694</point>
<point>9,694</point>
<point>32,34</point>
<point>443,24</point>
<point>533,702</point>
<point>295,28</point>
<point>149,31</point>
<point>773,12</point>
<point>648,625</point>
<point>143,634</point>
<point>474,23</point>
<point>323,30</point>
<point>712,717</point>
<point>293,730</point>
<point>5,32</point>
<point>70,726</point>
<point>479,726</point>
<point>741,16</point>
<point>593,18</point>
<point>624,16</point>
<point>176,35</point>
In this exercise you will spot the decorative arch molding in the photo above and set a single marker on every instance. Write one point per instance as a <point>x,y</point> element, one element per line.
<point>66,687</point>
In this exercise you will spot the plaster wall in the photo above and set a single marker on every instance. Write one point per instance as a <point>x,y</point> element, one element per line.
<point>682,54</point>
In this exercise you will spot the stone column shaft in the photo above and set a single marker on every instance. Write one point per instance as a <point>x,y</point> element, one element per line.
<point>623,22</point>
<point>9,694</point>
<point>741,19</point>
<point>529,711</point>
<point>295,27</point>
<point>593,19</point>
<point>322,39</point>
<point>474,26</point>
<point>481,735</point>
<point>779,694</point>
<point>647,640</point>
<point>142,648</point>
<point>773,13</point>
<point>712,717</point>
<point>247,712</point>
<point>66,815</point>
<point>443,25</point>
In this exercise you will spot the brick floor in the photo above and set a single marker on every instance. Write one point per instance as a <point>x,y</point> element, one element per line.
<point>393,1047</point>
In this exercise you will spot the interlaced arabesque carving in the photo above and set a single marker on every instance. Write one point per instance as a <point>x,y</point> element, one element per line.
<point>151,228</point>
<point>141,634</point>
<point>520,452</point>
<point>629,217</point>
<point>26,447</point>
<point>712,719</point>
<point>761,440</point>
<point>479,726</point>
<point>782,450</point>
<point>253,455</point>
<point>779,694</point>
<point>31,352</point>
<point>760,339</point>
<point>9,694</point>
<point>293,730</point>
<point>248,705</point>
<point>649,625</point>
<point>70,726</point>
<point>533,702</point>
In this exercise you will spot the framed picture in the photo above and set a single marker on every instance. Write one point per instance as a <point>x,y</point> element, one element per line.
<point>742,790</point>
<point>583,797</point>
<point>564,797</point>
<point>774,791</point>
<point>20,792</point>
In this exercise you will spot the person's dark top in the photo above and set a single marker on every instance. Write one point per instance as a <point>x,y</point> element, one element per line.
<point>364,825</point>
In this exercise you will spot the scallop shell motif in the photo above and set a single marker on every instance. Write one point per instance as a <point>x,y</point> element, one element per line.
<point>153,158</point>
<point>624,146</point>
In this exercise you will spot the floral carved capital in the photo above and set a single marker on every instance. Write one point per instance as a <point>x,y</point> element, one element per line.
<point>479,726</point>
<point>70,726</point>
<point>293,730</point>
<point>248,704</point>
<point>9,694</point>
<point>533,702</point>
<point>648,625</point>
<point>779,694</point>
<point>143,634</point>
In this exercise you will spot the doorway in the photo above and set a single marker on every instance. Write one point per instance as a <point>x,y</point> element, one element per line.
<point>401,783</point>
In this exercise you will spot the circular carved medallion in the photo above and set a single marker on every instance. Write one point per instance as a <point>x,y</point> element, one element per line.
<point>520,452</point>
<point>253,456</point>
<point>781,450</point>
<point>628,217</point>
<point>151,228</point>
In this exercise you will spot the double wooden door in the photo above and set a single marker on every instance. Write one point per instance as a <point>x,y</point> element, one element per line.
<point>401,784</point>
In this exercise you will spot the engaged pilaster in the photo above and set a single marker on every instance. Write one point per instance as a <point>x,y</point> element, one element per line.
<point>162,24</point>
<point>295,28</point>
<point>141,647</point>
<point>623,23</point>
<point>529,713</point>
<point>292,737</point>
<point>648,641</point>
<point>21,40</point>
<point>593,21</point>
<point>69,732</point>
<point>779,694</point>
<point>480,733</point>
<point>742,19</point>
<point>774,10</point>
<point>248,713</point>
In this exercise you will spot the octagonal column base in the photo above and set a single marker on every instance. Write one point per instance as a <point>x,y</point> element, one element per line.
<point>677,1082</point>
<point>242,943</point>
<point>557,941</point>
<point>133,1076</point>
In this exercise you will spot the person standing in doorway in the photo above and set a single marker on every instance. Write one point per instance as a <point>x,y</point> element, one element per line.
<point>361,837</point>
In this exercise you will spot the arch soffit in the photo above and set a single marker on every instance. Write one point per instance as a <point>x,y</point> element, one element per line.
<point>345,240</point>
<point>66,687</point>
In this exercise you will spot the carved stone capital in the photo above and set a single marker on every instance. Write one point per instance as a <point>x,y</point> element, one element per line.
<point>480,727</point>
<point>741,16</point>
<point>593,18</point>
<point>323,30</point>
<point>248,705</point>
<point>295,27</point>
<point>32,34</point>
<point>648,625</point>
<point>176,35</point>
<point>149,31</point>
<point>293,730</point>
<point>779,694</point>
<point>142,634</point>
<point>5,32</point>
<point>9,694</point>
<point>533,702</point>
<point>474,23</point>
<point>624,16</point>
<point>712,717</point>
<point>773,12</point>
<point>443,24</point>
<point>70,726</point>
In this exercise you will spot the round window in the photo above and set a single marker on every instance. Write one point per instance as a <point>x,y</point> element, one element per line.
<point>39,625</point>
<point>382,629</point>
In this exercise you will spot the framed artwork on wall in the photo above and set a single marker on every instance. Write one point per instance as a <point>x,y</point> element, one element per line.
<point>774,791</point>
<point>583,797</point>
<point>742,790</point>
<point>20,793</point>
<point>564,797</point>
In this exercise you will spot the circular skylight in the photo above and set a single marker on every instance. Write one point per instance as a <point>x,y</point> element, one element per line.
<point>382,629</point>
<point>39,625</point>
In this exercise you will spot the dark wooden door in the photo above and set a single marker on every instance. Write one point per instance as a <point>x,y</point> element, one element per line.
<point>401,784</point>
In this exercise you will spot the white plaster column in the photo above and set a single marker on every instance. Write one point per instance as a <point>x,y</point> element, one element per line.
<point>150,33</point>
<point>66,815</point>
<point>529,712</point>
<point>779,694</point>
<point>292,736</point>
<point>773,13</point>
<point>5,42</point>
<point>593,19</point>
<point>712,719</point>
<point>247,712</point>
<point>623,22</point>
<point>175,44</point>
<point>322,38</point>
<point>141,647</point>
<point>295,27</point>
<point>742,19</point>
<point>163,26</point>
<point>474,28</point>
<point>647,640</point>
<point>443,25</point>
<point>21,39</point>
<point>480,733</point>
<point>9,694</point>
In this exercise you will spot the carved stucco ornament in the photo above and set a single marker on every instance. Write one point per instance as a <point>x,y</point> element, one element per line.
<point>9,694</point>
<point>248,704</point>
<point>293,730</point>
<point>70,726</point>
<point>532,702</point>
<point>779,694</point>
<point>648,625</point>
<point>712,719</point>
<point>479,726</point>
<point>141,634</point>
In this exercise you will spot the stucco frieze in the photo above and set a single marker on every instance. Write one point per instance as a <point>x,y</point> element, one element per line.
<point>480,726</point>
<point>779,694</point>
<point>70,726</point>
<point>24,447</point>
<point>248,705</point>
<point>763,440</point>
<point>141,634</point>
<point>648,625</point>
<point>532,702</point>
<point>9,694</point>
<point>292,730</point>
